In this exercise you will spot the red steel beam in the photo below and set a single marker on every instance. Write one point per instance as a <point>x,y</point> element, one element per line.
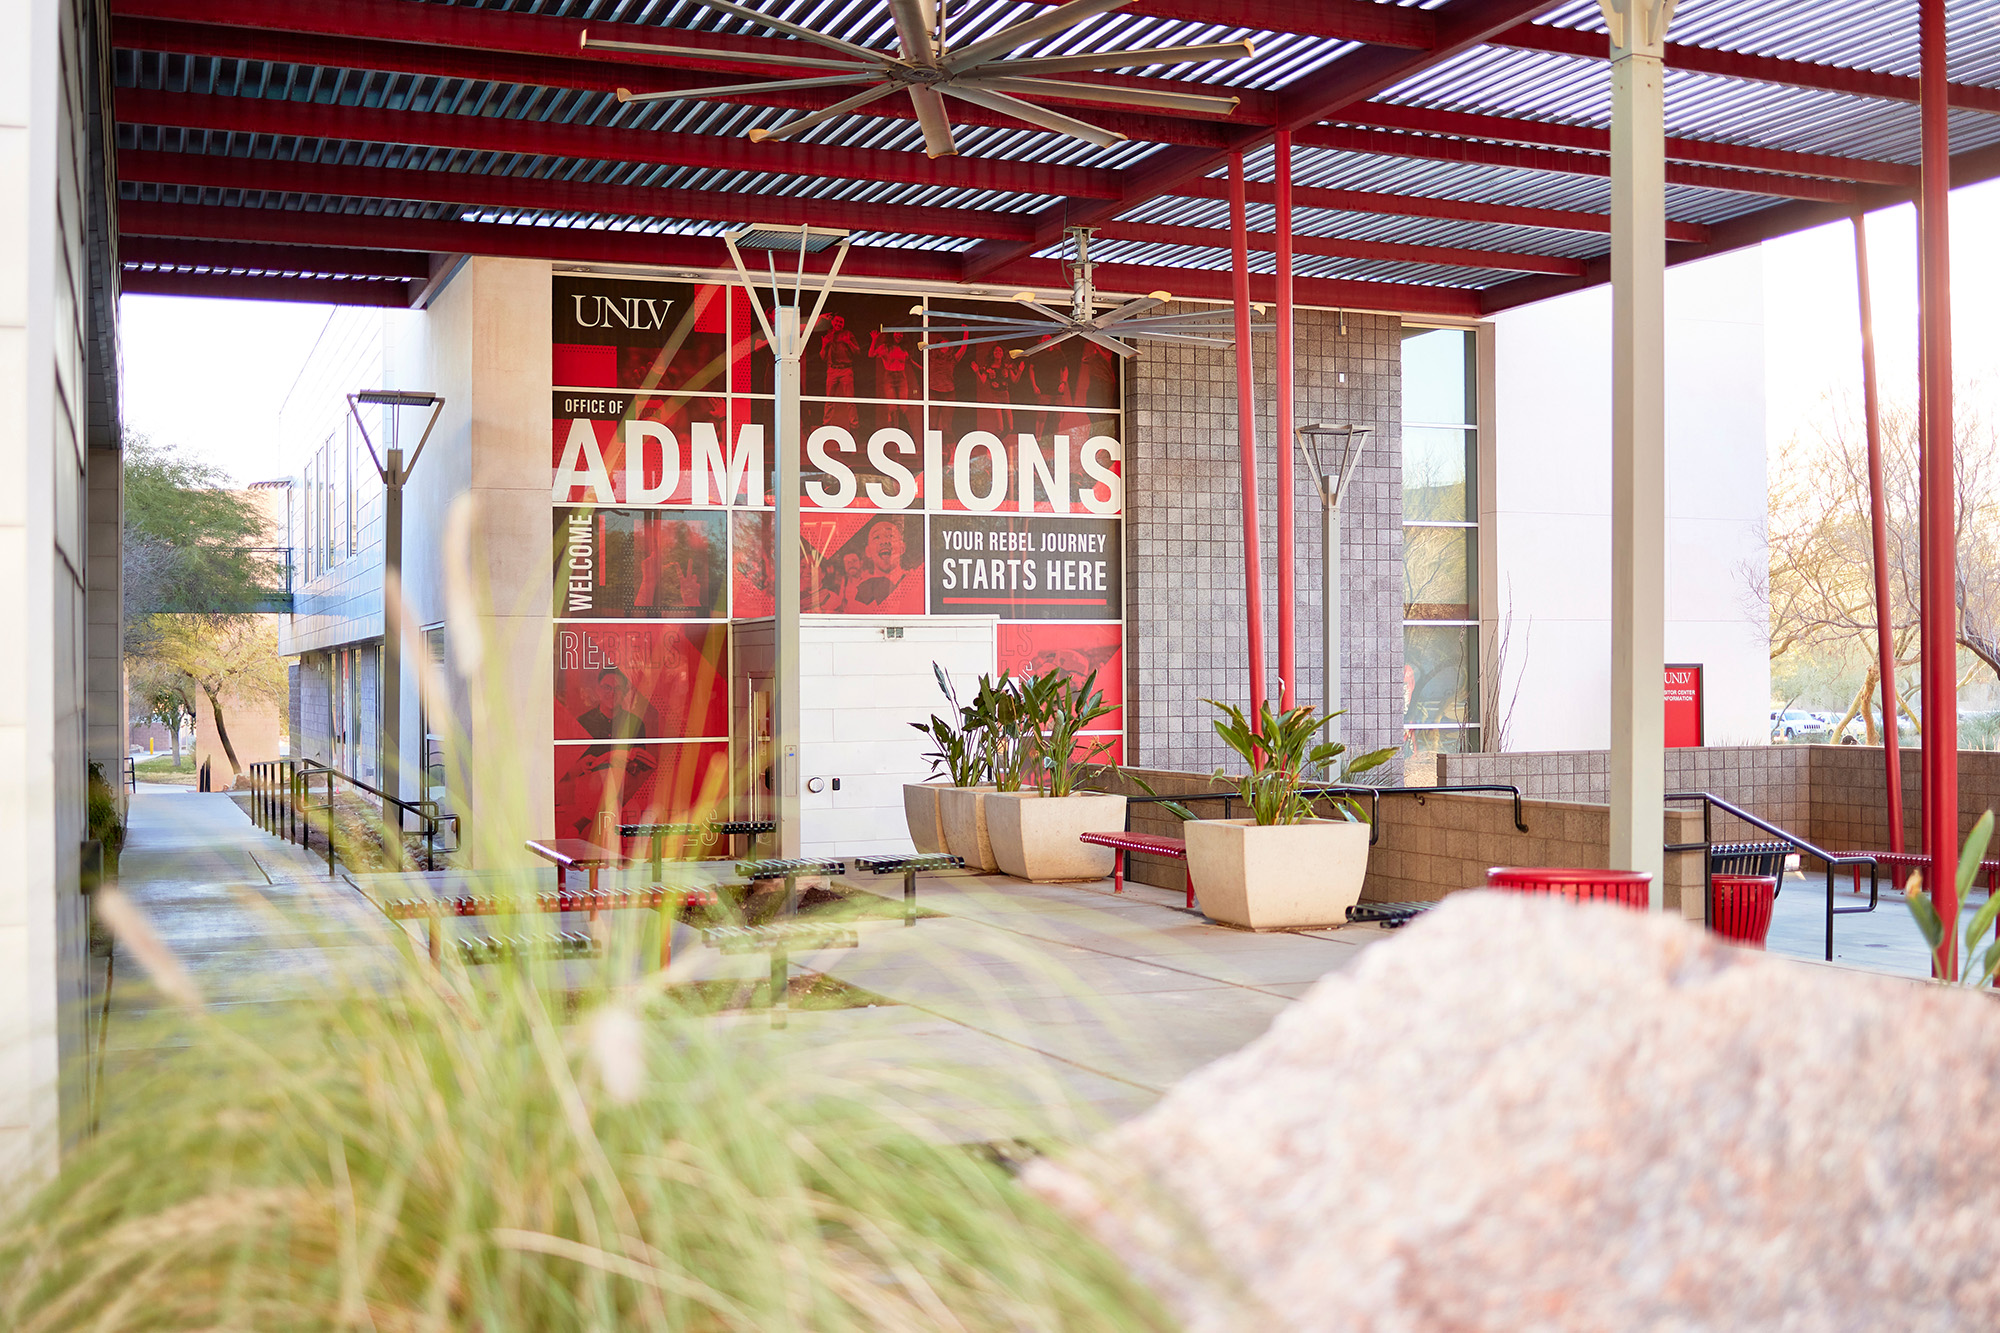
<point>1878,536</point>
<point>335,261</point>
<point>276,226</point>
<point>1460,25</point>
<point>1585,138</point>
<point>211,171</point>
<point>1757,69</point>
<point>245,287</point>
<point>1521,157</point>
<point>500,134</point>
<point>597,74</point>
<point>1283,373</point>
<point>1937,491</point>
<point>1343,248</point>
<point>1246,442</point>
<point>1425,206</point>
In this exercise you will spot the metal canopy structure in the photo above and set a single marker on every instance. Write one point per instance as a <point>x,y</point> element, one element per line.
<point>1449,157</point>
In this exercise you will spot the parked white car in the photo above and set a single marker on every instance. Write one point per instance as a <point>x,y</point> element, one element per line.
<point>1793,723</point>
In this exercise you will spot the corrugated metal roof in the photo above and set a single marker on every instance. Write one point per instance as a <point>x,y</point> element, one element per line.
<point>1490,80</point>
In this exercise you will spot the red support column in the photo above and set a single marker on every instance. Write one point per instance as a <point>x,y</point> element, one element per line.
<point>1246,429</point>
<point>1878,520</point>
<point>1939,619</point>
<point>1288,648</point>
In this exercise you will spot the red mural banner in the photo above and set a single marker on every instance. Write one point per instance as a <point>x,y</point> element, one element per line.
<point>597,786</point>
<point>627,682</point>
<point>640,564</point>
<point>1076,651</point>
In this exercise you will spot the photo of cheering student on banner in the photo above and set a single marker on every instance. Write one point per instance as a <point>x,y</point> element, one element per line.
<point>600,786</point>
<point>1075,373</point>
<point>641,682</point>
<point>849,563</point>
<point>617,333</point>
<point>640,564</point>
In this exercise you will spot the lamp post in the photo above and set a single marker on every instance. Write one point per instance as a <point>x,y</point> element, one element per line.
<point>1342,447</point>
<point>786,333</point>
<point>391,467</point>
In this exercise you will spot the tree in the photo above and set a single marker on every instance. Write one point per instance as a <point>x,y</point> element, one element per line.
<point>191,544</point>
<point>164,693</point>
<point>194,566</point>
<point>1818,589</point>
<point>235,656</point>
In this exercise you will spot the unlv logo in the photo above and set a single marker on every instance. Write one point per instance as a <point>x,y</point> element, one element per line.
<point>639,313</point>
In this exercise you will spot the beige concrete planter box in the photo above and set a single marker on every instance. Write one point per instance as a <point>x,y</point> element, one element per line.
<point>962,811</point>
<point>1279,876</point>
<point>1035,836</point>
<point>920,811</point>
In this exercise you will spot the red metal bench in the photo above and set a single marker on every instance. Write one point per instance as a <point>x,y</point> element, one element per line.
<point>669,903</point>
<point>1900,864</point>
<point>1124,844</point>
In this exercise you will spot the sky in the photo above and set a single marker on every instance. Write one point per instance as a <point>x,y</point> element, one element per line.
<point>211,375</point>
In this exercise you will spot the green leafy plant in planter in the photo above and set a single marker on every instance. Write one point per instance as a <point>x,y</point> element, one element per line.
<point>1068,708</point>
<point>1973,971</point>
<point>1002,713</point>
<point>959,754</point>
<point>1285,755</point>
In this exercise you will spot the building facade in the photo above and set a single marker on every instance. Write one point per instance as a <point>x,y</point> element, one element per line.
<point>586,567</point>
<point>62,706</point>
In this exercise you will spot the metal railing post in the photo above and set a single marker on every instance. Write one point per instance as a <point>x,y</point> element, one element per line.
<point>329,823</point>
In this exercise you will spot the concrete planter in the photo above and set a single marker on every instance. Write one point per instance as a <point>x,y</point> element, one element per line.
<point>962,812</point>
<point>1035,836</point>
<point>920,811</point>
<point>1277,876</point>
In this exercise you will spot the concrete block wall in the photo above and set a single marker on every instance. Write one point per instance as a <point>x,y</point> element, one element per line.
<point>1771,781</point>
<point>1184,545</point>
<point>1849,809</point>
<point>1440,844</point>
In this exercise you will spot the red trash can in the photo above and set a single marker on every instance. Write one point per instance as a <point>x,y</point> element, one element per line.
<point>1633,888</point>
<point>1740,907</point>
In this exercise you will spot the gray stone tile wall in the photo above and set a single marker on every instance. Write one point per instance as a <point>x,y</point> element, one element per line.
<point>1184,547</point>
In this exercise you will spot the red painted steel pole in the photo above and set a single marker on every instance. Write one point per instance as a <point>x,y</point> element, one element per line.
<point>1878,521</point>
<point>1939,619</point>
<point>1246,430</point>
<point>1288,648</point>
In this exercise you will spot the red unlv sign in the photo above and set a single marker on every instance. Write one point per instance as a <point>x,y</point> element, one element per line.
<point>1684,705</point>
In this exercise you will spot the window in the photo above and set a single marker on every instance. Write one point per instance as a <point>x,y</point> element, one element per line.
<point>1440,540</point>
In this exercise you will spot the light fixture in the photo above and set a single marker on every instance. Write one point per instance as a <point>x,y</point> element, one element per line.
<point>1331,453</point>
<point>929,68</point>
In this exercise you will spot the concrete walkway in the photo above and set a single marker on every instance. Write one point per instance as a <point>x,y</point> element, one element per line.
<point>1086,1004</point>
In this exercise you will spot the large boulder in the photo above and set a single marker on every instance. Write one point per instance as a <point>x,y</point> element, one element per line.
<point>1523,1114</point>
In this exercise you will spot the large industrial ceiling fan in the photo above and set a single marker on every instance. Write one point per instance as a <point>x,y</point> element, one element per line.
<point>1114,329</point>
<point>930,68</point>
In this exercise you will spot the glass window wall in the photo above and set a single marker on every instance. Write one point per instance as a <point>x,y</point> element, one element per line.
<point>1440,540</point>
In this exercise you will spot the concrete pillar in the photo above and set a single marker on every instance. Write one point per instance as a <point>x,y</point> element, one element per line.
<point>1638,433</point>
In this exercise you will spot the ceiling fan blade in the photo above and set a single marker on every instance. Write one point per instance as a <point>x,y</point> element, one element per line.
<point>1105,340</point>
<point>1045,24</point>
<point>1129,309</point>
<point>735,89</point>
<point>589,43</point>
<point>1038,66</point>
<point>935,121</point>
<point>935,341</point>
<point>824,114</point>
<point>1053,121</point>
<point>806,34</point>
<point>1098,92</point>
<point>915,20</point>
<point>1045,344</point>
<point>1186,338</point>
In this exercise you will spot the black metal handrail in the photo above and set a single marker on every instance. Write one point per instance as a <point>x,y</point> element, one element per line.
<point>1375,795</point>
<point>1710,802</point>
<point>279,789</point>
